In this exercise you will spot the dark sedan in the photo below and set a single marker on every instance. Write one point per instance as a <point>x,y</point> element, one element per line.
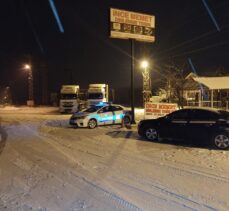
<point>193,124</point>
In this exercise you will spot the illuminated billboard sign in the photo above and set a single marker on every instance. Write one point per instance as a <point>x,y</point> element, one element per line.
<point>155,110</point>
<point>131,25</point>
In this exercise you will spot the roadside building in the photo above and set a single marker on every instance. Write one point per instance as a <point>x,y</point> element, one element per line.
<point>207,91</point>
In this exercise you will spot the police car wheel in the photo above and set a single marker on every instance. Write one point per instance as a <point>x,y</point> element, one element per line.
<point>92,124</point>
<point>126,120</point>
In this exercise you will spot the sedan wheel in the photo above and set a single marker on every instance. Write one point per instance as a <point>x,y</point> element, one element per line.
<point>151,134</point>
<point>221,141</point>
<point>92,123</point>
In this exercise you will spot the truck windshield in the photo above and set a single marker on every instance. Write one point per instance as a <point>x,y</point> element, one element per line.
<point>68,96</point>
<point>95,96</point>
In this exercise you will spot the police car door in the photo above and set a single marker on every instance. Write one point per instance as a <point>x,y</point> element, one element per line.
<point>105,116</point>
<point>118,114</point>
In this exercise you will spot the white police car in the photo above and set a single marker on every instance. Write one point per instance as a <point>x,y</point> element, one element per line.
<point>101,114</point>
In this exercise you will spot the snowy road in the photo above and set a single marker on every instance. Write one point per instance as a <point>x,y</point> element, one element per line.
<point>46,165</point>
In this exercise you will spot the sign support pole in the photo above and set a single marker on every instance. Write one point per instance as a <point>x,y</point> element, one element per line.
<point>133,26</point>
<point>132,81</point>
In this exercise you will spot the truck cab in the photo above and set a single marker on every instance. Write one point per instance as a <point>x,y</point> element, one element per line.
<point>69,98</point>
<point>97,93</point>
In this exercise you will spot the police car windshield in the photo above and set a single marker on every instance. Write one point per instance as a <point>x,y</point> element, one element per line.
<point>93,109</point>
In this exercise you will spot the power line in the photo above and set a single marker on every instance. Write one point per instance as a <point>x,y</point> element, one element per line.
<point>202,49</point>
<point>191,41</point>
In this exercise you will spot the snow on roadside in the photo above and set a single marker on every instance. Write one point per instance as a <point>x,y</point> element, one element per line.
<point>139,114</point>
<point>193,169</point>
<point>27,110</point>
<point>112,162</point>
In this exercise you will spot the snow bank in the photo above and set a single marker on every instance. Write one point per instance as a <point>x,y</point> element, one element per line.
<point>26,109</point>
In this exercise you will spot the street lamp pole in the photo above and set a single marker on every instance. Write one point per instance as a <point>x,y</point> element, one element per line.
<point>30,78</point>
<point>30,101</point>
<point>146,82</point>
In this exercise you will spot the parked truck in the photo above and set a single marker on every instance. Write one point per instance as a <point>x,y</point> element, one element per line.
<point>69,98</point>
<point>97,93</point>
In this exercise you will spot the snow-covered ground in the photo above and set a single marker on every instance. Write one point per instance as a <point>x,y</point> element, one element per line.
<point>47,165</point>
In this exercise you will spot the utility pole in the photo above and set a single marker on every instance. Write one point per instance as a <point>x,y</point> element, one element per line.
<point>44,83</point>
<point>132,82</point>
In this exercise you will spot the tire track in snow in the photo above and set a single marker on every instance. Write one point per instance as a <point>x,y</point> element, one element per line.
<point>128,156</point>
<point>163,193</point>
<point>117,199</point>
<point>23,131</point>
<point>156,198</point>
<point>120,202</point>
<point>113,197</point>
<point>188,171</point>
<point>182,166</point>
<point>183,200</point>
<point>192,173</point>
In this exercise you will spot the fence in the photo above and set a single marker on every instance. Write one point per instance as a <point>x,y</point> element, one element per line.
<point>214,104</point>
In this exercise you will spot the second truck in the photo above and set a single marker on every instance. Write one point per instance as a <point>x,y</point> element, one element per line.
<point>97,93</point>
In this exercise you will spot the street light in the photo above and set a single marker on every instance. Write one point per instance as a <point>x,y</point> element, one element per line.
<point>30,101</point>
<point>27,67</point>
<point>144,64</point>
<point>146,82</point>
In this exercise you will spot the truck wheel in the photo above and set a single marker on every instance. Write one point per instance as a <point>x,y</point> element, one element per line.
<point>92,124</point>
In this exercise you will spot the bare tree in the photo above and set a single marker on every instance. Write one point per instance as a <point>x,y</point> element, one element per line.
<point>175,81</point>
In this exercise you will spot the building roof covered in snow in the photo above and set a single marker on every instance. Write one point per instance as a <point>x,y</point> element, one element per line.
<point>212,83</point>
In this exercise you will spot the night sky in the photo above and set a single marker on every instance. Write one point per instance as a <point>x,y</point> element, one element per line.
<point>85,54</point>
